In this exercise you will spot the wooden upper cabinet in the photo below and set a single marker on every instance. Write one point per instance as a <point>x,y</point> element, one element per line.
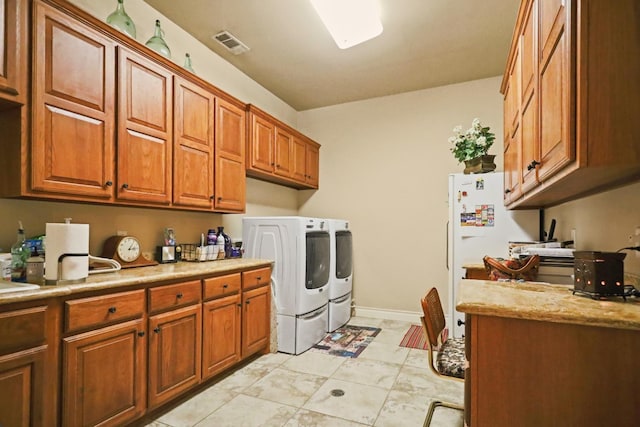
<point>145,134</point>
<point>283,155</point>
<point>13,50</point>
<point>230,139</point>
<point>313,164</point>
<point>193,150</point>
<point>557,148</point>
<point>73,98</point>
<point>299,159</point>
<point>261,143</point>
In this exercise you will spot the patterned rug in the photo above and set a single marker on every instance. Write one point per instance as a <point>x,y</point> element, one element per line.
<point>414,338</point>
<point>347,341</point>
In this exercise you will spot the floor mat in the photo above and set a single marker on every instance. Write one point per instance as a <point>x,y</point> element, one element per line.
<point>347,341</point>
<point>414,338</point>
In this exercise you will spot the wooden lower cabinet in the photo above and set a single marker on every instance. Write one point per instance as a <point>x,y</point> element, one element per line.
<point>104,375</point>
<point>256,304</point>
<point>221,334</point>
<point>21,388</point>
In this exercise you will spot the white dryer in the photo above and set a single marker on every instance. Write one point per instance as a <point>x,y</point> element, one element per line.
<point>341,274</point>
<point>300,247</point>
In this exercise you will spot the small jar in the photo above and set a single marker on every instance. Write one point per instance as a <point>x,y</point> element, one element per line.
<point>211,237</point>
<point>35,270</point>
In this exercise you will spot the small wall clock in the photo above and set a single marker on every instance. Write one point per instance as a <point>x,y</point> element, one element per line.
<point>126,250</point>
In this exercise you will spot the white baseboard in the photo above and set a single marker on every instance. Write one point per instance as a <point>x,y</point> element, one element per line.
<point>377,313</point>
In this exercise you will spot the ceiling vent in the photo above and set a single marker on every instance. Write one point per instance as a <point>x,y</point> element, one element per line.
<point>231,42</point>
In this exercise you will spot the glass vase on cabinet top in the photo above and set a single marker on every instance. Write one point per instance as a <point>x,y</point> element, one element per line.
<point>157,43</point>
<point>120,20</point>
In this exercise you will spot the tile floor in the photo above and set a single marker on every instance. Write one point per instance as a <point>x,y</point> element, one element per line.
<point>386,385</point>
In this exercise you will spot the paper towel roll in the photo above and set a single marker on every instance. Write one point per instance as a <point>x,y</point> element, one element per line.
<point>71,239</point>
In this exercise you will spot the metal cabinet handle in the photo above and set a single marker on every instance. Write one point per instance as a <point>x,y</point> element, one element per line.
<point>125,186</point>
<point>247,302</point>
<point>141,333</point>
<point>179,295</point>
<point>112,309</point>
<point>258,278</point>
<point>108,183</point>
<point>225,286</point>
<point>507,191</point>
<point>157,329</point>
<point>533,164</point>
<point>212,197</point>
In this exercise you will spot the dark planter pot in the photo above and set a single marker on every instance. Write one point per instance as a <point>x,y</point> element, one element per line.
<point>480,164</point>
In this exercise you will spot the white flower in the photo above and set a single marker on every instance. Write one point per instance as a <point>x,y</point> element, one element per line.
<point>481,141</point>
<point>476,123</point>
<point>457,129</point>
<point>452,139</point>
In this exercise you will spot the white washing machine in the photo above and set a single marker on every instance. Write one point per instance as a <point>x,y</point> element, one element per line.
<point>340,274</point>
<point>300,247</point>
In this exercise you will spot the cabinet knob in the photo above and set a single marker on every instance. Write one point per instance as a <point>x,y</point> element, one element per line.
<point>273,164</point>
<point>239,305</point>
<point>108,183</point>
<point>248,302</point>
<point>219,199</point>
<point>225,286</point>
<point>460,322</point>
<point>157,330</point>
<point>125,186</point>
<point>179,295</point>
<point>507,191</point>
<point>112,309</point>
<point>141,333</point>
<point>533,164</point>
<point>212,197</point>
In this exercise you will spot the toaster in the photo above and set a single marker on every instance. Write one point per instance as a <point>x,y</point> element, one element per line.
<point>598,273</point>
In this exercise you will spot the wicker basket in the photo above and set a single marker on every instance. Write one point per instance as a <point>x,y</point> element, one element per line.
<point>198,253</point>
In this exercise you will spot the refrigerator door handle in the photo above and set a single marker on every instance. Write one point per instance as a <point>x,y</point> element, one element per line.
<point>446,255</point>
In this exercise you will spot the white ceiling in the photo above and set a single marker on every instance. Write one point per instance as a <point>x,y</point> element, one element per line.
<point>425,43</point>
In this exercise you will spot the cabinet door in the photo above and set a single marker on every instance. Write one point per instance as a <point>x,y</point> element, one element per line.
<point>174,353</point>
<point>13,50</point>
<point>313,164</point>
<point>529,98</point>
<point>104,374</point>
<point>73,100</point>
<point>255,320</point>
<point>22,388</point>
<point>193,145</point>
<point>283,143</point>
<point>299,159</point>
<point>557,148</point>
<point>144,129</point>
<point>220,334</point>
<point>230,174</point>
<point>261,156</point>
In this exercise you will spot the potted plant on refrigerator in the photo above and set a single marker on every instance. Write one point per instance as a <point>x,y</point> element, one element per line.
<point>472,146</point>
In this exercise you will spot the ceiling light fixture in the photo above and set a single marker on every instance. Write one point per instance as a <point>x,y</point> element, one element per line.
<point>350,22</point>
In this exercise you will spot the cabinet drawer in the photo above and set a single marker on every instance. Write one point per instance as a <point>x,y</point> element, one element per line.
<point>97,311</point>
<point>223,285</point>
<point>171,296</point>
<point>255,278</point>
<point>22,328</point>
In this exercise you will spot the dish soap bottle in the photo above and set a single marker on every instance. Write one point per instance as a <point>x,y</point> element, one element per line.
<point>222,237</point>
<point>19,254</point>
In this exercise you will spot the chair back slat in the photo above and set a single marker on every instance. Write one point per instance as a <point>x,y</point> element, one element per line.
<point>434,320</point>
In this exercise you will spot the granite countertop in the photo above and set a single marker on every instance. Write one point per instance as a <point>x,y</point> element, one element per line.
<point>546,302</point>
<point>136,276</point>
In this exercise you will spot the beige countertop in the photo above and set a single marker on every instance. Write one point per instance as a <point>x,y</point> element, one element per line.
<point>546,302</point>
<point>136,276</point>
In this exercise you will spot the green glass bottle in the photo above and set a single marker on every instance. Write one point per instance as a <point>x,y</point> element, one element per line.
<point>19,254</point>
<point>120,20</point>
<point>187,63</point>
<point>157,43</point>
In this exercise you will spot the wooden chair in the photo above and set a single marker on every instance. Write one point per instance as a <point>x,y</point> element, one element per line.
<point>450,361</point>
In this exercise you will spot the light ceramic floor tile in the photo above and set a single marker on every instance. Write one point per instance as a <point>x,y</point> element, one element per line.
<point>418,358</point>
<point>360,403</point>
<point>397,325</point>
<point>272,359</point>
<point>244,377</point>
<point>390,336</point>
<point>288,387</point>
<point>157,424</point>
<point>385,353</point>
<point>310,362</point>
<point>197,408</point>
<point>403,408</point>
<point>364,321</point>
<point>370,372</point>
<point>304,418</point>
<point>247,411</point>
<point>412,379</point>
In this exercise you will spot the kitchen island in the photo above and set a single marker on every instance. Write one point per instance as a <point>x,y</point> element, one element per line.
<point>541,356</point>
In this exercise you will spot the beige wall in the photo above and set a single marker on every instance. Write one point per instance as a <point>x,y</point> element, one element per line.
<point>384,165</point>
<point>604,222</point>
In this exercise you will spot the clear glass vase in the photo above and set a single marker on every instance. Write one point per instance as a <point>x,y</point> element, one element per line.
<point>123,22</point>
<point>157,43</point>
<point>187,63</point>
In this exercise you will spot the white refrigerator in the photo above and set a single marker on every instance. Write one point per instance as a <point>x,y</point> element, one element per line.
<point>480,225</point>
